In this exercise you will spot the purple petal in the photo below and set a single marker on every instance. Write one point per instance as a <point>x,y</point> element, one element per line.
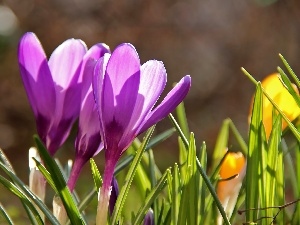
<point>153,81</point>
<point>36,76</point>
<point>120,91</point>
<point>65,65</point>
<point>170,102</point>
<point>66,60</point>
<point>97,83</point>
<point>88,138</point>
<point>58,133</point>
<point>149,218</point>
<point>95,53</point>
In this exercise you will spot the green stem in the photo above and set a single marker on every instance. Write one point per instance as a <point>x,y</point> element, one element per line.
<point>202,173</point>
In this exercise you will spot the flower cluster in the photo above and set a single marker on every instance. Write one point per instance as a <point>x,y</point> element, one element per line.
<point>112,94</point>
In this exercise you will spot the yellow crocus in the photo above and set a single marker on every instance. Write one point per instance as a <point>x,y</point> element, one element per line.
<point>227,190</point>
<point>281,97</point>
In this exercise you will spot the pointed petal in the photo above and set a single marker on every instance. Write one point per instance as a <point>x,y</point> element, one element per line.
<point>36,75</point>
<point>97,51</point>
<point>88,138</point>
<point>94,53</point>
<point>65,62</point>
<point>97,84</point>
<point>153,82</point>
<point>65,65</point>
<point>170,102</point>
<point>120,90</point>
<point>58,133</point>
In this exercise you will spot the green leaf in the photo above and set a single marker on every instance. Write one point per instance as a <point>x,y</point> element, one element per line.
<point>5,161</point>
<point>201,171</point>
<point>28,192</point>
<point>96,175</point>
<point>212,192</point>
<point>125,161</point>
<point>290,125</point>
<point>5,215</point>
<point>221,144</point>
<point>46,174</point>
<point>280,180</point>
<point>176,195</point>
<point>160,138</point>
<point>152,176</point>
<point>239,138</point>
<point>193,187</point>
<point>87,199</point>
<point>189,199</point>
<point>182,158</point>
<point>210,198</point>
<point>297,81</point>
<point>288,85</point>
<point>129,177</point>
<point>16,191</point>
<point>202,187</point>
<point>178,129</point>
<point>253,160</point>
<point>180,110</point>
<point>141,178</point>
<point>151,197</point>
<point>60,184</point>
<point>271,170</point>
<point>262,171</point>
<point>296,213</point>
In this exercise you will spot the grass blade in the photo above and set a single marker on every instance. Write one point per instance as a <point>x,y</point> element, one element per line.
<point>288,85</point>
<point>290,125</point>
<point>297,81</point>
<point>60,184</point>
<point>151,198</point>
<point>26,190</point>
<point>129,177</point>
<point>16,191</point>
<point>96,175</point>
<point>176,195</point>
<point>254,150</point>
<point>181,116</point>
<point>202,172</point>
<point>5,215</point>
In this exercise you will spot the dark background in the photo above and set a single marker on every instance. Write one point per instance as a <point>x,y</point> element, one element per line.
<point>208,39</point>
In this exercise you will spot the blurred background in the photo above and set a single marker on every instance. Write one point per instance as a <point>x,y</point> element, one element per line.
<point>210,40</point>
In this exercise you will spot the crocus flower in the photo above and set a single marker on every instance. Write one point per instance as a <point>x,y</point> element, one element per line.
<point>126,93</point>
<point>281,97</point>
<point>88,141</point>
<point>52,86</point>
<point>228,190</point>
<point>149,218</point>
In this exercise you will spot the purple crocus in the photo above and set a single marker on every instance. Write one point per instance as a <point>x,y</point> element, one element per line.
<point>52,87</point>
<point>149,218</point>
<point>126,93</point>
<point>88,141</point>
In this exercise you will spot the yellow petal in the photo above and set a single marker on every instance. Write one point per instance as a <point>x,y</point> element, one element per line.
<point>281,97</point>
<point>232,164</point>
